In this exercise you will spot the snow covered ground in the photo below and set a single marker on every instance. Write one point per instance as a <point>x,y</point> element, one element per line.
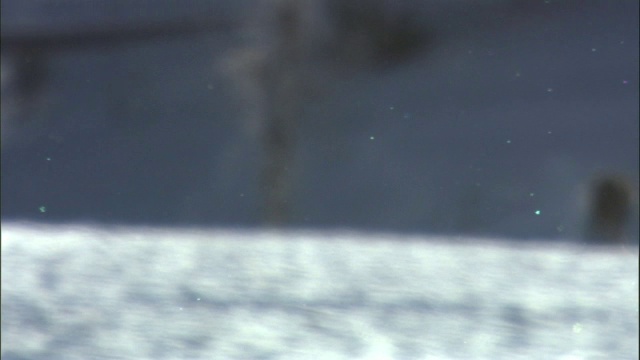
<point>87,292</point>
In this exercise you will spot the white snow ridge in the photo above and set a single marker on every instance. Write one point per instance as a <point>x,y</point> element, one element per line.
<point>82,292</point>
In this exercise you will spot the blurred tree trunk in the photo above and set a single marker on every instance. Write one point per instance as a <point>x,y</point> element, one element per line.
<point>296,47</point>
<point>283,88</point>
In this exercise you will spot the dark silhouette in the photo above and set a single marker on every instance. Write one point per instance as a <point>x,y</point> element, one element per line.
<point>297,42</point>
<point>610,209</point>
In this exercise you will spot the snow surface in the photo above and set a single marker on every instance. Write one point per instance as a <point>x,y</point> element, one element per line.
<point>87,292</point>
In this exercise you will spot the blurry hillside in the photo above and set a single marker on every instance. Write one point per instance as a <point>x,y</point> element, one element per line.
<point>493,117</point>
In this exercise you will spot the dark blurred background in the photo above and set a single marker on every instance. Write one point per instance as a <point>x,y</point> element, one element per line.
<point>488,118</point>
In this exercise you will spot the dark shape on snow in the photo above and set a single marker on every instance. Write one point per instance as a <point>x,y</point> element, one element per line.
<point>610,209</point>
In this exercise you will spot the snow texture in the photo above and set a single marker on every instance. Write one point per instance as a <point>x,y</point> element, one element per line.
<point>87,292</point>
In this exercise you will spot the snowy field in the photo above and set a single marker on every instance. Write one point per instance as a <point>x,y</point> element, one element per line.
<point>80,292</point>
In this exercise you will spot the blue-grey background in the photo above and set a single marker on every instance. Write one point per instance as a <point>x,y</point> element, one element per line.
<point>506,108</point>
